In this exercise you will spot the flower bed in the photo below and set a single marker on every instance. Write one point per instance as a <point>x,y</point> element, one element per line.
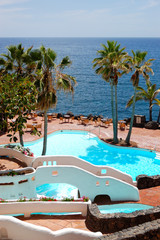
<point>25,151</point>
<point>48,199</point>
<point>18,152</point>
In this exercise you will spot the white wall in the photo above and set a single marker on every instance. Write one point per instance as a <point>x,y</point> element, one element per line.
<point>88,184</point>
<point>16,154</point>
<point>75,161</point>
<point>18,190</point>
<point>27,208</point>
<point>91,180</point>
<point>15,229</point>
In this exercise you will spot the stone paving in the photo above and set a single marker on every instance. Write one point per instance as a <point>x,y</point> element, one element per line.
<point>150,196</point>
<point>57,222</point>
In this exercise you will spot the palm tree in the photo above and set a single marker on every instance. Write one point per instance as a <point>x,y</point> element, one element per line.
<point>111,65</point>
<point>20,63</point>
<point>148,95</point>
<point>17,61</point>
<point>50,78</point>
<point>157,102</point>
<point>140,67</point>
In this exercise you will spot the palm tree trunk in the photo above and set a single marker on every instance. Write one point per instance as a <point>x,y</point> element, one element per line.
<point>21,139</point>
<point>158,116</point>
<point>45,134</point>
<point>132,117</point>
<point>150,111</point>
<point>113,115</point>
<point>116,115</point>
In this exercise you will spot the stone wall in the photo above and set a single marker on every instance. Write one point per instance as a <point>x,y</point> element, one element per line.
<point>110,223</point>
<point>145,181</point>
<point>147,231</point>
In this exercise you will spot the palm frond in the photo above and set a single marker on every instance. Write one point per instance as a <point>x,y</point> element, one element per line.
<point>2,61</point>
<point>130,102</point>
<point>65,62</point>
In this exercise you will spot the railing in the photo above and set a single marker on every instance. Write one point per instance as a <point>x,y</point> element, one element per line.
<point>74,161</point>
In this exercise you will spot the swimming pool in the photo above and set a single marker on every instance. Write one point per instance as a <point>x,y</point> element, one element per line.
<point>89,147</point>
<point>123,208</point>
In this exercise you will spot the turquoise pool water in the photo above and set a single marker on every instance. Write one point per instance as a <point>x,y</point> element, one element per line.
<point>89,147</point>
<point>57,190</point>
<point>123,208</point>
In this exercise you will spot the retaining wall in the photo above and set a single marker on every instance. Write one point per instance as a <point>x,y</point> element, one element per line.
<point>110,223</point>
<point>147,231</point>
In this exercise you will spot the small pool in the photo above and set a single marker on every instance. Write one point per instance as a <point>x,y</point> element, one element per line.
<point>123,208</point>
<point>89,147</point>
<point>57,190</point>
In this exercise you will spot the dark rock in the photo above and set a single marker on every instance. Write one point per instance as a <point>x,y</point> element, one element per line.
<point>100,116</point>
<point>144,181</point>
<point>111,223</point>
<point>147,231</point>
<point>95,117</point>
<point>151,125</point>
<point>76,117</point>
<point>59,115</point>
<point>90,116</point>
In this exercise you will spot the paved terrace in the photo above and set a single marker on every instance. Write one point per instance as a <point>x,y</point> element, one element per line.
<point>145,138</point>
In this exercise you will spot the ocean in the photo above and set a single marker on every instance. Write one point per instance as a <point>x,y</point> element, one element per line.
<point>92,93</point>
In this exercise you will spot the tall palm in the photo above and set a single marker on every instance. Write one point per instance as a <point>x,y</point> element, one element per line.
<point>111,65</point>
<point>140,67</point>
<point>50,78</point>
<point>148,95</point>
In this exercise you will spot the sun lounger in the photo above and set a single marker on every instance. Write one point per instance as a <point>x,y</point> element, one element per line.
<point>49,117</point>
<point>61,120</point>
<point>122,126</point>
<point>32,126</point>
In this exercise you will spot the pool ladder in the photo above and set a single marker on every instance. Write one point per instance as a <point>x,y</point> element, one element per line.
<point>157,156</point>
<point>90,132</point>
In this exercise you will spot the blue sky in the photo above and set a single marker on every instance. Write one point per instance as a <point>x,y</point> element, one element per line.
<point>79,18</point>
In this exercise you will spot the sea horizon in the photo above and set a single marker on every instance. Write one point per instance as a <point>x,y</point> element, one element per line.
<point>73,37</point>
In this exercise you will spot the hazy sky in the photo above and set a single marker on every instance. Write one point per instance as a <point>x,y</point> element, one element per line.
<point>79,18</point>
